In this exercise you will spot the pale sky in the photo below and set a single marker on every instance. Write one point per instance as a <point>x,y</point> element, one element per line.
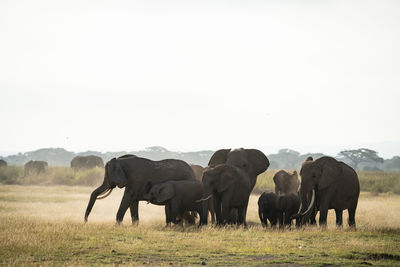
<point>316,76</point>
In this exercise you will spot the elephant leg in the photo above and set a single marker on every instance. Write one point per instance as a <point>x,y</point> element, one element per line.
<point>281,221</point>
<point>339,217</point>
<point>217,207</point>
<point>323,214</point>
<point>211,209</point>
<point>123,207</point>
<point>352,218</point>
<point>312,217</point>
<point>134,208</point>
<point>167,215</point>
<point>261,216</point>
<point>225,210</point>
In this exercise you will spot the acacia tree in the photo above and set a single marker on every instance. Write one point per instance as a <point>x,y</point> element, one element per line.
<point>356,156</point>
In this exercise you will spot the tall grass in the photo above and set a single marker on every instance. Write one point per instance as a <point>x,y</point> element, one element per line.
<point>52,176</point>
<point>375,182</point>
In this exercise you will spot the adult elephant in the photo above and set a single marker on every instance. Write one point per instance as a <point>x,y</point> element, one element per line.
<point>3,163</point>
<point>137,174</point>
<point>35,167</point>
<point>86,162</point>
<point>333,185</point>
<point>252,161</point>
<point>286,183</point>
<point>230,189</point>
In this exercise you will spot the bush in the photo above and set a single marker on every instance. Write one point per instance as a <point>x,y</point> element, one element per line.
<point>10,174</point>
<point>52,176</point>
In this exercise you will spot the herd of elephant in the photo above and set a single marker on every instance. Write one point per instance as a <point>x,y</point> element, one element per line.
<point>77,163</point>
<point>223,189</point>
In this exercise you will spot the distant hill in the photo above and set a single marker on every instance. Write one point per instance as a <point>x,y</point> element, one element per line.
<point>283,159</point>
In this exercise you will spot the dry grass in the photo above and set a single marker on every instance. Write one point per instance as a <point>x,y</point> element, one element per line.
<point>44,225</point>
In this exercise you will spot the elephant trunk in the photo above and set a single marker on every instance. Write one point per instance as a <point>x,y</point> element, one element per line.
<point>98,191</point>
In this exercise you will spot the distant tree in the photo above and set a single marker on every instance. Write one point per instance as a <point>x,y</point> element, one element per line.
<point>285,159</point>
<point>356,156</point>
<point>392,164</point>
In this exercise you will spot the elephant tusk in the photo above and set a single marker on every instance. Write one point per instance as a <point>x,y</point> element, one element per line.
<point>204,199</point>
<point>311,204</point>
<point>301,215</point>
<point>105,194</point>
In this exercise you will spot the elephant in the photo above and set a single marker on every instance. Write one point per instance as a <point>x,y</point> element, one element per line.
<point>288,205</point>
<point>86,162</point>
<point>251,161</point>
<point>286,183</point>
<point>3,163</point>
<point>178,197</point>
<point>136,174</point>
<point>267,209</point>
<point>198,172</point>
<point>333,185</point>
<point>230,188</point>
<point>35,167</point>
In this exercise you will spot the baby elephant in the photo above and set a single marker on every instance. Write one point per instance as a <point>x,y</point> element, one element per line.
<point>267,209</point>
<point>178,198</point>
<point>288,205</point>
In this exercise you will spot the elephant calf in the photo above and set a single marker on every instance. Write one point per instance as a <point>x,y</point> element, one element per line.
<point>288,205</point>
<point>267,208</point>
<point>178,198</point>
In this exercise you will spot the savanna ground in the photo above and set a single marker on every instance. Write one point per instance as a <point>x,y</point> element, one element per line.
<point>43,225</point>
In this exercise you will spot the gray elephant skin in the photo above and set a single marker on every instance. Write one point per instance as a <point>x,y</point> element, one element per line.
<point>267,208</point>
<point>178,197</point>
<point>286,183</point>
<point>3,163</point>
<point>230,188</point>
<point>277,209</point>
<point>198,173</point>
<point>287,205</point>
<point>86,162</point>
<point>135,174</point>
<point>35,167</point>
<point>252,161</point>
<point>334,184</point>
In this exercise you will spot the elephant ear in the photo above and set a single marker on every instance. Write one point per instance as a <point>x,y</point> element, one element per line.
<point>219,157</point>
<point>115,173</point>
<point>226,180</point>
<point>165,192</point>
<point>258,162</point>
<point>330,171</point>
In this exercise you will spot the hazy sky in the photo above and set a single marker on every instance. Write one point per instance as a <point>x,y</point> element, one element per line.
<point>190,75</point>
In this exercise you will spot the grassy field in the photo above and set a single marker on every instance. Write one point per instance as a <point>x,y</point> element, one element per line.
<point>44,226</point>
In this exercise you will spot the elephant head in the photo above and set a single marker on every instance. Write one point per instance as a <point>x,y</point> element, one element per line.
<point>316,175</point>
<point>114,176</point>
<point>218,179</point>
<point>253,161</point>
<point>160,193</point>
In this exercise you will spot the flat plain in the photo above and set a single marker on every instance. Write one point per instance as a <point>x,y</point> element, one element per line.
<point>43,225</point>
